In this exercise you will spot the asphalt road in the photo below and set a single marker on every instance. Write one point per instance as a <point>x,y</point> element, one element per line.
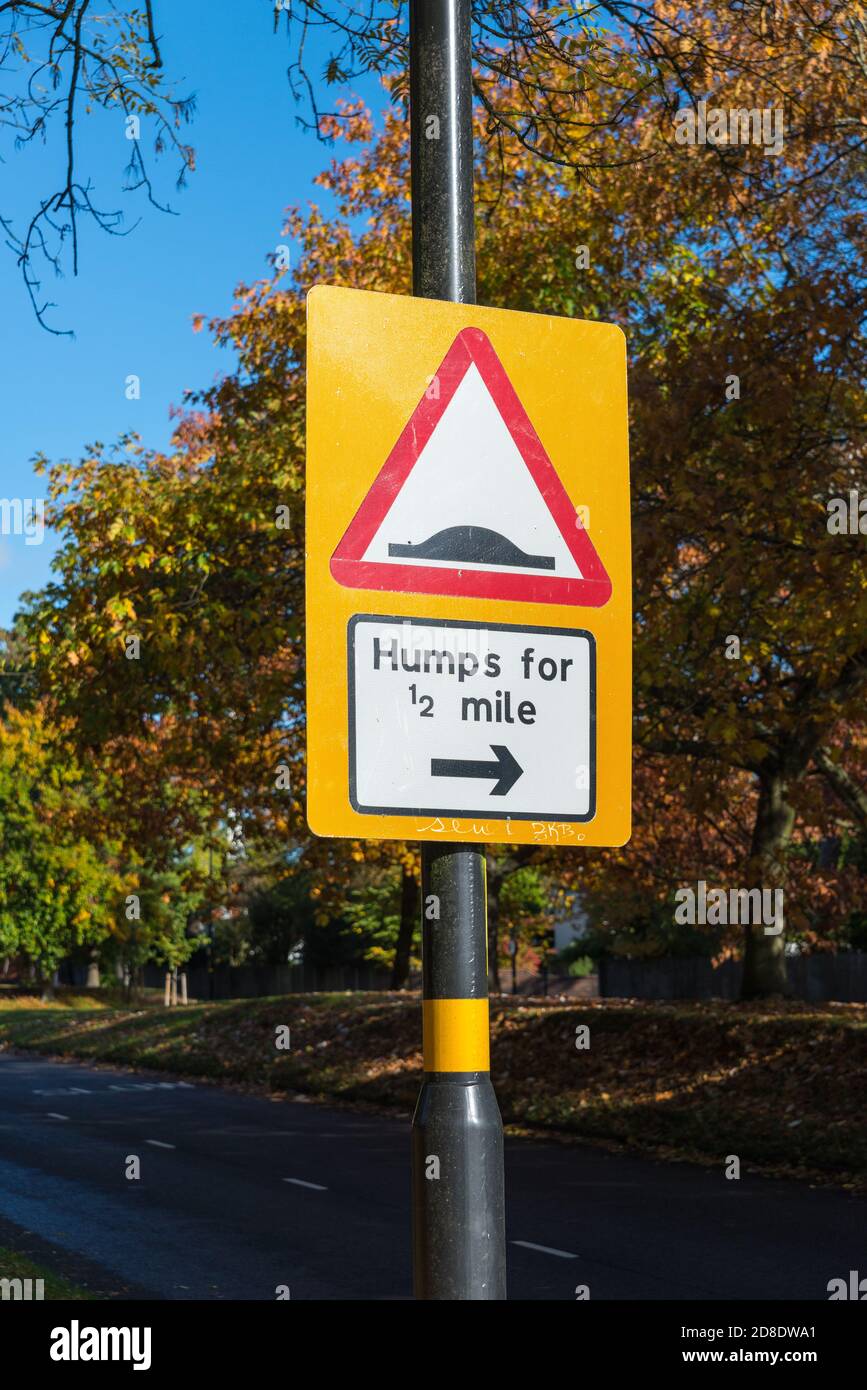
<point>240,1194</point>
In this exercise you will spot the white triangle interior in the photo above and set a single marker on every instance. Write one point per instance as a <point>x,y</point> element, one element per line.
<point>471,473</point>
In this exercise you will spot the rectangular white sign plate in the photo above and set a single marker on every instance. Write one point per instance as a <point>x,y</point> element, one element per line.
<point>457,718</point>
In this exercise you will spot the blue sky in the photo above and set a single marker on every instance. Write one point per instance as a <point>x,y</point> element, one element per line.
<point>132,304</point>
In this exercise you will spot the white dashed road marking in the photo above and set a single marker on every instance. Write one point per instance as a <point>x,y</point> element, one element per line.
<point>299,1182</point>
<point>52,1115</point>
<point>136,1086</point>
<point>158,1144</point>
<point>545,1249</point>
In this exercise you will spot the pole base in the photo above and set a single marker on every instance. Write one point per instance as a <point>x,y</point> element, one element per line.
<point>459,1248</point>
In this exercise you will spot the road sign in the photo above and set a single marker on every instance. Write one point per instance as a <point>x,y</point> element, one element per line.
<point>468,574</point>
<point>470,719</point>
<point>504,528</point>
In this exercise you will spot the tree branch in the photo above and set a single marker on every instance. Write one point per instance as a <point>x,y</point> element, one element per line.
<point>852,795</point>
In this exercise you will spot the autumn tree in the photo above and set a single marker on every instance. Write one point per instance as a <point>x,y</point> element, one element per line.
<point>558,80</point>
<point>58,890</point>
<point>170,630</point>
<point>736,273</point>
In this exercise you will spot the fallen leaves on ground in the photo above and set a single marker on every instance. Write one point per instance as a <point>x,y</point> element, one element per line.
<point>783,1086</point>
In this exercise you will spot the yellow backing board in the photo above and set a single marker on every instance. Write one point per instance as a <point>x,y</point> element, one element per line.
<point>469,622</point>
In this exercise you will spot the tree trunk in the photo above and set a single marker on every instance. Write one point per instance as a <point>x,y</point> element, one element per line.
<point>168,994</point>
<point>183,986</point>
<point>45,985</point>
<point>409,920</point>
<point>93,972</point>
<point>765,972</point>
<point>495,883</point>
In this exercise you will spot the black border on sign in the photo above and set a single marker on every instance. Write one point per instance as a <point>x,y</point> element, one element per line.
<point>488,813</point>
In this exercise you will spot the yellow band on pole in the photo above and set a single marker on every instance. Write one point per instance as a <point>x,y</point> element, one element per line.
<point>456,1035</point>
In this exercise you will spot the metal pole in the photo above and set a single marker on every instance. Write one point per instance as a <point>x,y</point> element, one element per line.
<point>459,1248</point>
<point>441,150</point>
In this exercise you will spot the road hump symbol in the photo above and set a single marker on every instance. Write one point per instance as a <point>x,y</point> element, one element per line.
<point>468,501</point>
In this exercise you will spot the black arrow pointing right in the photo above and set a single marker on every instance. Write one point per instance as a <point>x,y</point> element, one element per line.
<point>506,770</point>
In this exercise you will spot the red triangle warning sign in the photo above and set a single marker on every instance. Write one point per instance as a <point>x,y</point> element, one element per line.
<point>468,502</point>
